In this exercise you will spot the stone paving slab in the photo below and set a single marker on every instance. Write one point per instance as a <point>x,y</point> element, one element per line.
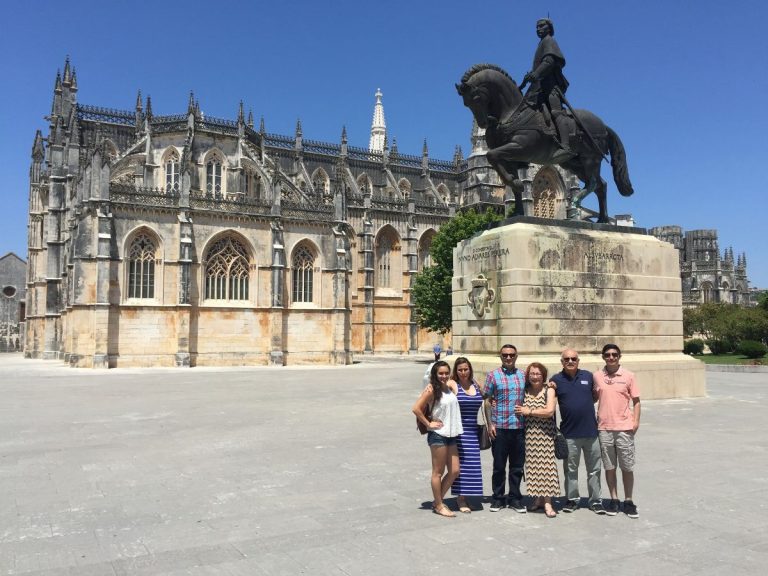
<point>277,471</point>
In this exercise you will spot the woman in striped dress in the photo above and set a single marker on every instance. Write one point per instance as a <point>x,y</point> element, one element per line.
<point>470,396</point>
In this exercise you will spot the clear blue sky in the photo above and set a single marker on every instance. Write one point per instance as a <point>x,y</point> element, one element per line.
<point>683,84</point>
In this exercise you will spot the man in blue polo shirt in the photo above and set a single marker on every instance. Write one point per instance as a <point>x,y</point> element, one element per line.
<point>506,385</point>
<point>578,424</point>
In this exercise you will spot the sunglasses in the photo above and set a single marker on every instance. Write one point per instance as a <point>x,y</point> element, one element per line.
<point>571,359</point>
<point>508,355</point>
<point>611,355</point>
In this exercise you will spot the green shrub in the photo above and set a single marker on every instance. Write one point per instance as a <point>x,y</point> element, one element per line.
<point>721,346</point>
<point>694,346</point>
<point>752,349</point>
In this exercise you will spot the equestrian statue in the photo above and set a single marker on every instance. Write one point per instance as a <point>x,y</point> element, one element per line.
<point>541,127</point>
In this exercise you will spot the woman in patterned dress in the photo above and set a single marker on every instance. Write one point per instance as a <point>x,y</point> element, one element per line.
<point>538,407</point>
<point>470,396</point>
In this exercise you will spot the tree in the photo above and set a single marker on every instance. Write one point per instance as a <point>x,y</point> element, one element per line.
<point>726,324</point>
<point>432,287</point>
<point>762,300</point>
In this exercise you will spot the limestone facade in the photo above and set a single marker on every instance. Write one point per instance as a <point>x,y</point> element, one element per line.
<point>706,274</point>
<point>13,290</point>
<point>191,240</point>
<point>545,286</point>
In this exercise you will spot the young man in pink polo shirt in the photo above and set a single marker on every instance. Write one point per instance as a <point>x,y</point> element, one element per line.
<point>617,423</point>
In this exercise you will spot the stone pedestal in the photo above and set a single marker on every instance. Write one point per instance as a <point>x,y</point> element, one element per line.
<point>544,285</point>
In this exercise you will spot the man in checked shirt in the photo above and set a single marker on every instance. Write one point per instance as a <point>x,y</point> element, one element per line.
<point>506,385</point>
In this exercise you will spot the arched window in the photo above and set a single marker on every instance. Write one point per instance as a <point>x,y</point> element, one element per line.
<point>251,184</point>
<point>320,182</point>
<point>141,267</point>
<point>405,187</point>
<point>213,176</point>
<point>364,184</point>
<point>548,194</point>
<point>303,276</point>
<point>425,244</point>
<point>226,271</point>
<point>110,150</point>
<point>388,266</point>
<point>444,192</point>
<point>172,168</point>
<point>707,292</point>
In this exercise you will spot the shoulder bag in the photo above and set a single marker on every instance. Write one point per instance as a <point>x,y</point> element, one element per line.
<point>484,438</point>
<point>561,446</point>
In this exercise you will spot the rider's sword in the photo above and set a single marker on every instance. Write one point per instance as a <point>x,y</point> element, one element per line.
<point>580,125</point>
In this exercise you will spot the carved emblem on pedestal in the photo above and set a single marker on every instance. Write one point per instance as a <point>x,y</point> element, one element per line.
<point>481,296</point>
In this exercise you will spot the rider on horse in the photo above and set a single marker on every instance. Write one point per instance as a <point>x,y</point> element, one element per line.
<point>548,85</point>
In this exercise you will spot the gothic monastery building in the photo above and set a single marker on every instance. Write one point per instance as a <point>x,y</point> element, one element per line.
<point>187,240</point>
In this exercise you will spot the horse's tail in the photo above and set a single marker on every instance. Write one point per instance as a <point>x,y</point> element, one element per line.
<point>619,164</point>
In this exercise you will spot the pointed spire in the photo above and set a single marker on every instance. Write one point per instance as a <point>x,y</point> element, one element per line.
<point>394,147</point>
<point>744,259</point>
<point>298,128</point>
<point>73,86</point>
<point>197,112</point>
<point>250,118</point>
<point>191,104</point>
<point>457,156</point>
<point>139,106</point>
<point>37,147</point>
<point>343,150</point>
<point>149,108</point>
<point>261,125</point>
<point>67,72</point>
<point>425,149</point>
<point>57,85</point>
<point>240,114</point>
<point>378,125</point>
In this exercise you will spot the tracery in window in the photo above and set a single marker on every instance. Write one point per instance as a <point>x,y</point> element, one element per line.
<point>141,267</point>
<point>213,176</point>
<point>364,184</point>
<point>227,271</point>
<point>251,184</point>
<point>172,170</point>
<point>405,187</point>
<point>425,244</point>
<point>302,271</point>
<point>387,259</point>
<point>320,182</point>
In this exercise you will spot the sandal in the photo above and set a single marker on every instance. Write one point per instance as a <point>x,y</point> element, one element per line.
<point>464,507</point>
<point>443,510</point>
<point>549,511</point>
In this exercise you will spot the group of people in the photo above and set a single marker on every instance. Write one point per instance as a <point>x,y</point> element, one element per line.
<point>520,410</point>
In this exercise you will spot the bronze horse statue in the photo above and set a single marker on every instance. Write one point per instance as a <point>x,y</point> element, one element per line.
<point>517,135</point>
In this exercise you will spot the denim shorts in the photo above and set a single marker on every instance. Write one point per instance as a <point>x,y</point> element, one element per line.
<point>435,439</point>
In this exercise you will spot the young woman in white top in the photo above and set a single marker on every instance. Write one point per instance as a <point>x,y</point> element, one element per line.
<point>444,428</point>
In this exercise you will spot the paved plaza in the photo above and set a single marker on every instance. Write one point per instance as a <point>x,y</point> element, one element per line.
<point>320,471</point>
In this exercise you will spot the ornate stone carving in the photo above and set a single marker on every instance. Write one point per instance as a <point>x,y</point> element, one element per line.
<point>481,296</point>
